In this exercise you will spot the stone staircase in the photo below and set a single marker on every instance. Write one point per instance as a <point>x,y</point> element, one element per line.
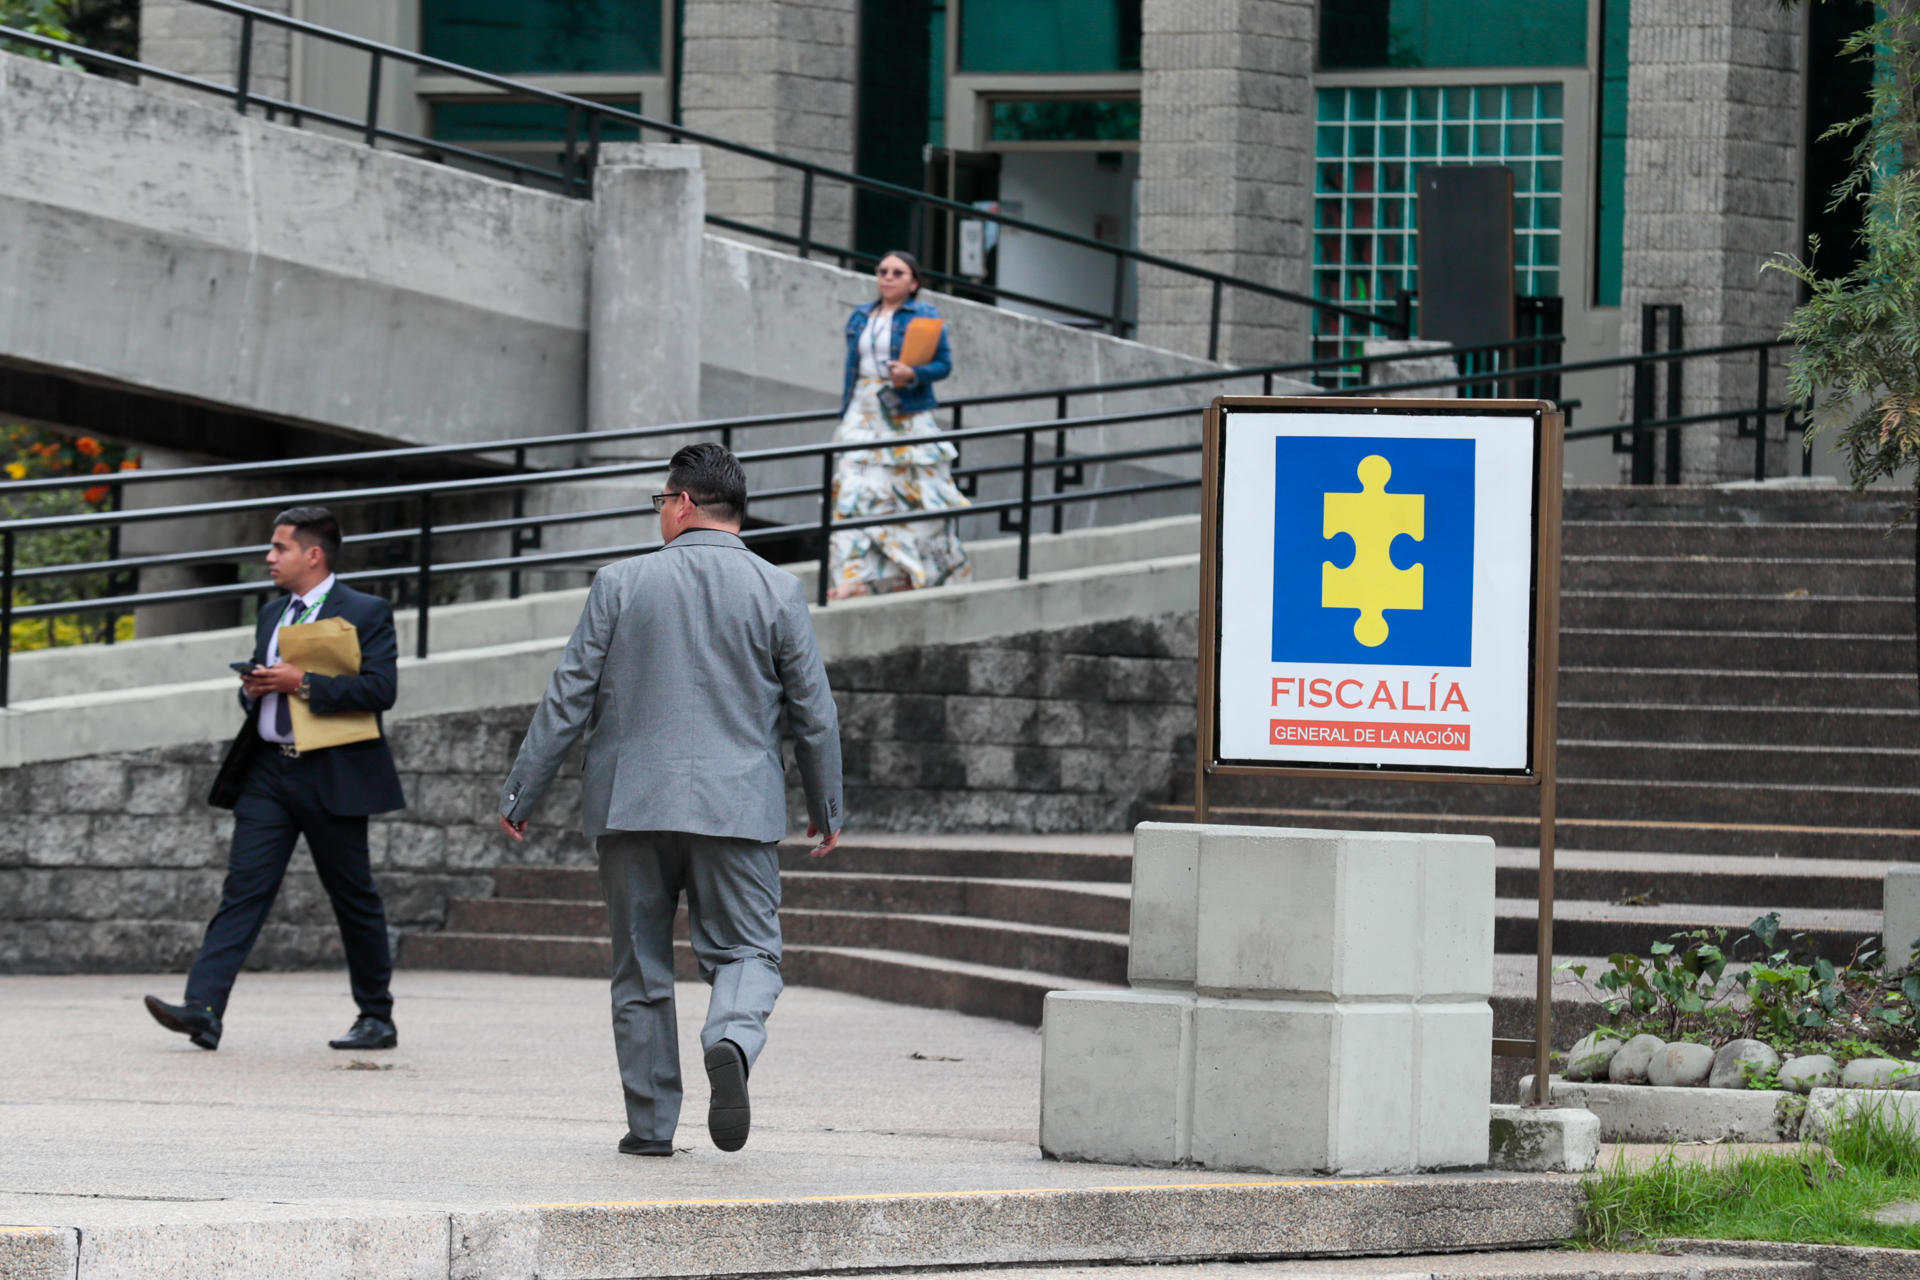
<point>1739,734</point>
<point>1737,677</point>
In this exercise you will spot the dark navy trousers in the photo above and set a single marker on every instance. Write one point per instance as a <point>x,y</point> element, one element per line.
<point>278,805</point>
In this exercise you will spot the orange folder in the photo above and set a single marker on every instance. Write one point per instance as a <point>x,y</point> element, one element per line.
<point>922,340</point>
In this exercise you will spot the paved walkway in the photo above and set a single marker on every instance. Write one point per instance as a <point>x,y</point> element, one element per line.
<point>503,1089</point>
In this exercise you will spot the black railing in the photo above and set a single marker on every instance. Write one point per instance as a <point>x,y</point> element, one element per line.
<point>587,122</point>
<point>1034,474</point>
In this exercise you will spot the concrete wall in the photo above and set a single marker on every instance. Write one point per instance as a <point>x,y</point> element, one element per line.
<point>1713,163</point>
<point>114,862</point>
<point>174,246</point>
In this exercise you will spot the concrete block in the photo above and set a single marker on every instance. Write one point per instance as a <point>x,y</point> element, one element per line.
<point>1650,1113</point>
<point>1827,1107</point>
<point>1453,1066</point>
<point>39,1253</point>
<point>1262,1073</point>
<point>1543,1139</point>
<point>1101,1046</point>
<point>1166,861</point>
<point>407,1246</point>
<point>1901,928</point>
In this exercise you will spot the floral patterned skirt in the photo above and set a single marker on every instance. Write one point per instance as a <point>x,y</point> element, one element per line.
<point>898,477</point>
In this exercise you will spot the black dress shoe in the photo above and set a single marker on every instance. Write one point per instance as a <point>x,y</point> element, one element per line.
<point>194,1021</point>
<point>632,1145</point>
<point>728,1115</point>
<point>368,1032</point>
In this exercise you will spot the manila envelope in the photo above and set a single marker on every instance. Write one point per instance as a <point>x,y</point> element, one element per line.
<point>329,647</point>
<point>921,342</point>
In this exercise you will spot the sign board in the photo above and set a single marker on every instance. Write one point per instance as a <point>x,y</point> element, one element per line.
<point>1376,574</point>
<point>1380,597</point>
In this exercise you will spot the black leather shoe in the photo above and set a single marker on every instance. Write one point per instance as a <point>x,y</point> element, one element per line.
<point>368,1032</point>
<point>728,1115</point>
<point>194,1021</point>
<point>632,1145</point>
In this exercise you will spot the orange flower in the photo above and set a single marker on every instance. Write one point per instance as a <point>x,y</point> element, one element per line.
<point>130,464</point>
<point>101,469</point>
<point>88,445</point>
<point>96,494</point>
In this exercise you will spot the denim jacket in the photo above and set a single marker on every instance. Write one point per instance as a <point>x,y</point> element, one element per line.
<point>917,395</point>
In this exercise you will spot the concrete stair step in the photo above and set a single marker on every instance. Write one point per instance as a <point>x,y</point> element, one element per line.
<point>1618,800</point>
<point>1098,909</point>
<point>1696,686</point>
<point>1604,928</point>
<point>904,977</point>
<point>1735,575</point>
<point>1666,879</point>
<point>1789,503</point>
<point>1743,762</point>
<point>1805,615</point>
<point>1692,649</point>
<point>1786,541</point>
<point>1677,723</point>
<point>1732,839</point>
<point>1529,1264</point>
<point>1070,953</point>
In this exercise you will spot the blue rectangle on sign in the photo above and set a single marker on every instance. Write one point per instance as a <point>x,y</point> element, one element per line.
<point>1373,551</point>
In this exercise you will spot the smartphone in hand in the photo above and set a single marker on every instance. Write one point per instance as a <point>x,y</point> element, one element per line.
<point>243,667</point>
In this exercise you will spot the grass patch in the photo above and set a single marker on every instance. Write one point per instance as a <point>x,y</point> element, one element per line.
<point>1794,1198</point>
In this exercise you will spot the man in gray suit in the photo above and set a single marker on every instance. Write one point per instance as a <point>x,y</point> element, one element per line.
<point>677,672</point>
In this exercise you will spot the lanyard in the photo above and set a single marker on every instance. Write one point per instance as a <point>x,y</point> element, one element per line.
<point>308,615</point>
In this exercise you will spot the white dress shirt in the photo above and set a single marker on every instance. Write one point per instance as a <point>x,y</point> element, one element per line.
<point>270,703</point>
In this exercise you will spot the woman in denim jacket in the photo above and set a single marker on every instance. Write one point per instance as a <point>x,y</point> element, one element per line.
<point>885,400</point>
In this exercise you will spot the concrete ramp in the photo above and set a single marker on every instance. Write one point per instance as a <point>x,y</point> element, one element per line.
<point>173,247</point>
<point>499,653</point>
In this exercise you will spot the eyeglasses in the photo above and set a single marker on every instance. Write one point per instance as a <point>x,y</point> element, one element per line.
<point>888,272</point>
<point>660,499</point>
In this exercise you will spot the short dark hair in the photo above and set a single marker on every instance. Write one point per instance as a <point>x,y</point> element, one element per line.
<point>911,263</point>
<point>316,527</point>
<point>712,477</point>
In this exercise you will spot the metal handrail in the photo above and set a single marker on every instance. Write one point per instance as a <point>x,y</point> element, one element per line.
<point>1023,506</point>
<point>724,427</point>
<point>580,155</point>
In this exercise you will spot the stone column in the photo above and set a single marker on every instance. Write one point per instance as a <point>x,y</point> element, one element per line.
<point>202,42</point>
<point>1713,190</point>
<point>778,75</point>
<point>643,342</point>
<point>1226,165</point>
<point>1301,1001</point>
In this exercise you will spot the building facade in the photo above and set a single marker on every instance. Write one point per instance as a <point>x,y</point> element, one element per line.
<point>1660,150</point>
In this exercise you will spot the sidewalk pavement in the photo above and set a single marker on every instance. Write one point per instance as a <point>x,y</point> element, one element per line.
<point>503,1090</point>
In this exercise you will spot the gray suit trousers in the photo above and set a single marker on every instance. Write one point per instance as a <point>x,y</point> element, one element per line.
<point>733,905</point>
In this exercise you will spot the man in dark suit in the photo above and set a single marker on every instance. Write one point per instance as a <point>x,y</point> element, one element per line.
<point>284,793</point>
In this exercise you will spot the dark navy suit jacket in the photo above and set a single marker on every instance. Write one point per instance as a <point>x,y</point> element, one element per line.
<point>359,778</point>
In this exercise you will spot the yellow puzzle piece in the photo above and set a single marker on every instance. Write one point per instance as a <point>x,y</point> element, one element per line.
<point>1372,583</point>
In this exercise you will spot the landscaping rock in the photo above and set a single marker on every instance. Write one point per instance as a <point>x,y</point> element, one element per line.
<point>1740,1061</point>
<point>1680,1065</point>
<point>1877,1073</point>
<point>1590,1056</point>
<point>1809,1072</point>
<point>1630,1062</point>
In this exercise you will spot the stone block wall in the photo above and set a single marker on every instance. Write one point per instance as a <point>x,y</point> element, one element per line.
<point>1226,171</point>
<point>205,43</point>
<point>114,862</point>
<point>778,75</point>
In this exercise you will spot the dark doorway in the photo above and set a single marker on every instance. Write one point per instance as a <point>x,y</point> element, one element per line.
<point>1837,90</point>
<point>896,42</point>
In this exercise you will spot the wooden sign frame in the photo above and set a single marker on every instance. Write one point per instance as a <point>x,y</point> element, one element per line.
<point>1547,424</point>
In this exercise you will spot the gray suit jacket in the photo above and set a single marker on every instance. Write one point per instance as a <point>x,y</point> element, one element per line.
<point>678,671</point>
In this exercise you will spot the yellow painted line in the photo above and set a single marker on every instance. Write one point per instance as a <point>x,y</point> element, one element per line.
<point>24,1230</point>
<point>933,1195</point>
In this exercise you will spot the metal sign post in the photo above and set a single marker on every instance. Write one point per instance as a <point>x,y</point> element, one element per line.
<point>1401,664</point>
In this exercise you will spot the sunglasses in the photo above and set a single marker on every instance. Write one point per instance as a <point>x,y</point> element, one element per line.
<point>660,499</point>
